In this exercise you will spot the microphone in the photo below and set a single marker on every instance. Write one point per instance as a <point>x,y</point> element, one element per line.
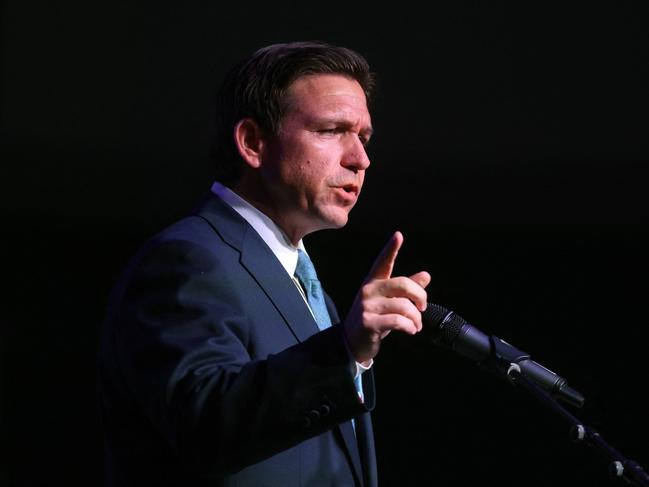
<point>447,329</point>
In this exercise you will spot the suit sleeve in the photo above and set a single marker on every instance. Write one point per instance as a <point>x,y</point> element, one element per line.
<point>183,343</point>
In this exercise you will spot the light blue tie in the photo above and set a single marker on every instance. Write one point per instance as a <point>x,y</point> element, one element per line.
<point>305,273</point>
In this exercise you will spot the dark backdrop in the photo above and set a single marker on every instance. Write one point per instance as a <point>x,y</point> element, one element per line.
<point>510,149</point>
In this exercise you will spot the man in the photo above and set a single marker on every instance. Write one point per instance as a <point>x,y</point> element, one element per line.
<point>216,367</point>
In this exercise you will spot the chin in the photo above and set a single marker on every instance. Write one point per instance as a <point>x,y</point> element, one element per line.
<point>329,217</point>
<point>337,219</point>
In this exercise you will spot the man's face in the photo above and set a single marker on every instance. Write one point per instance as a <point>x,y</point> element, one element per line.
<point>315,167</point>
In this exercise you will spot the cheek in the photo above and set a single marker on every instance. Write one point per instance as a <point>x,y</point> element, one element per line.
<point>314,171</point>
<point>309,164</point>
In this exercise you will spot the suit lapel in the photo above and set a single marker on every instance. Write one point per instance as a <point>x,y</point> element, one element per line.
<point>261,263</point>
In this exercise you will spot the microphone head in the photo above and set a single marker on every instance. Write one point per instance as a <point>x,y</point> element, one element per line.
<point>442,324</point>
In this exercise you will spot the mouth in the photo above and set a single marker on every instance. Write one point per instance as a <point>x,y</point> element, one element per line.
<point>348,193</point>
<point>350,189</point>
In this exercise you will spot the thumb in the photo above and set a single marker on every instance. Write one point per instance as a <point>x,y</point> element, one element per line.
<point>384,263</point>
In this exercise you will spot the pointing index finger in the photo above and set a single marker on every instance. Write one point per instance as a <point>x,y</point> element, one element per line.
<point>384,263</point>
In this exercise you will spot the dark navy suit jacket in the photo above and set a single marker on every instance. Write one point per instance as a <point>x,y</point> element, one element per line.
<point>212,370</point>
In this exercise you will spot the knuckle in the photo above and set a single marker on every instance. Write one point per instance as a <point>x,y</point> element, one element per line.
<point>422,293</point>
<point>413,319</point>
<point>367,291</point>
<point>404,322</point>
<point>407,307</point>
<point>366,316</point>
<point>416,319</point>
<point>402,283</point>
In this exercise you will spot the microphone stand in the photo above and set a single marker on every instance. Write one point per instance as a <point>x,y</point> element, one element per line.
<point>619,468</point>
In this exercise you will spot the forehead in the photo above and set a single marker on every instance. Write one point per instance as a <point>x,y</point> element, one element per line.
<point>327,93</point>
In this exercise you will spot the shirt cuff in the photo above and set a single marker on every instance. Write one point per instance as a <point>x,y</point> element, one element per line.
<point>357,368</point>
<point>360,368</point>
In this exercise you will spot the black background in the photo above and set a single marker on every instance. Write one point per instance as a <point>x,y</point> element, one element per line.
<point>510,149</point>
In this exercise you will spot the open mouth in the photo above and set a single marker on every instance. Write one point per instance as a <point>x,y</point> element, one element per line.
<point>350,188</point>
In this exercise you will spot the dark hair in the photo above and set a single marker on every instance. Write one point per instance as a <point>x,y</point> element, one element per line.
<point>257,88</point>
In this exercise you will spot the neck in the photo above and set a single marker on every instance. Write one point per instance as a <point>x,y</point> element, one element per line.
<point>259,197</point>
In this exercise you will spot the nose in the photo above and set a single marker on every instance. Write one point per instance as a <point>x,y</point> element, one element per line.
<point>355,157</point>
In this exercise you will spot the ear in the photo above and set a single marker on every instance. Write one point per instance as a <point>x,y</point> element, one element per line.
<point>249,139</point>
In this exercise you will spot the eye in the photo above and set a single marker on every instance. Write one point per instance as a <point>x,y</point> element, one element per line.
<point>332,131</point>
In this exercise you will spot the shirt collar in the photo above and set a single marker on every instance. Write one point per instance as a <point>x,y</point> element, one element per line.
<point>267,229</point>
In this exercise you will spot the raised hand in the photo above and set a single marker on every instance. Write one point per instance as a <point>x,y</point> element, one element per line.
<point>385,303</point>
